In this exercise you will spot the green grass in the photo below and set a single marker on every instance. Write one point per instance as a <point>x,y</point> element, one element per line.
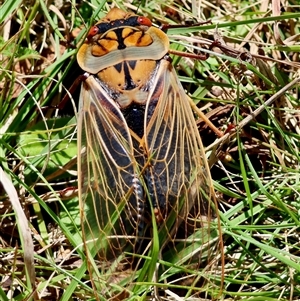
<point>257,188</point>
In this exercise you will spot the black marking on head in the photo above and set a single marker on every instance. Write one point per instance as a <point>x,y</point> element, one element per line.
<point>118,67</point>
<point>132,64</point>
<point>130,22</point>
<point>129,84</point>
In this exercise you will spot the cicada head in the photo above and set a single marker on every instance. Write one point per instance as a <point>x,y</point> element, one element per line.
<point>121,36</point>
<point>118,18</point>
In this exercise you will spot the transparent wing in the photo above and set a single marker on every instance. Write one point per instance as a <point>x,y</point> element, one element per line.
<point>109,190</point>
<point>178,178</point>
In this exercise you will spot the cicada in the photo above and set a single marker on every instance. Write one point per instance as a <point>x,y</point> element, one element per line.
<point>141,165</point>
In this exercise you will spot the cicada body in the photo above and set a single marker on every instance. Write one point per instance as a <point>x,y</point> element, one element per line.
<point>141,163</point>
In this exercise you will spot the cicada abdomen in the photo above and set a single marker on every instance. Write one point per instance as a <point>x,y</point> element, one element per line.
<point>141,159</point>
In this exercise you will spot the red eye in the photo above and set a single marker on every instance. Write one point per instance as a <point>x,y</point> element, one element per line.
<point>144,21</point>
<point>93,31</point>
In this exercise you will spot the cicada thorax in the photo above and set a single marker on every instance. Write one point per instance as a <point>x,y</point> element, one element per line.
<point>142,150</point>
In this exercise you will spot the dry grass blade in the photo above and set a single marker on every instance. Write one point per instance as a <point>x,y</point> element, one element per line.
<point>24,230</point>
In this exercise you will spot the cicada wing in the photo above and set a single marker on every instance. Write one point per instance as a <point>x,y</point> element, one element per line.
<point>109,190</point>
<point>179,178</point>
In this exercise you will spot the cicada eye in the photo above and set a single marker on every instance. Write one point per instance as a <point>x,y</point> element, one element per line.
<point>93,31</point>
<point>144,21</point>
